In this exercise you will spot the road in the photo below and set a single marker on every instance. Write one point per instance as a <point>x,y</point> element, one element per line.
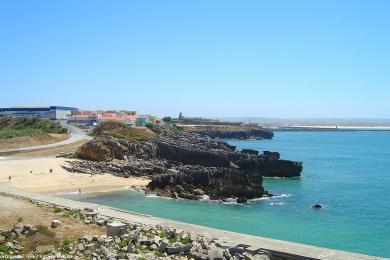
<point>76,134</point>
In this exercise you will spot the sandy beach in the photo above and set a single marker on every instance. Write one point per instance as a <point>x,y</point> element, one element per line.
<point>41,180</point>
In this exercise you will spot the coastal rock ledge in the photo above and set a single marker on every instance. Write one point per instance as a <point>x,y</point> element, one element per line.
<point>185,164</point>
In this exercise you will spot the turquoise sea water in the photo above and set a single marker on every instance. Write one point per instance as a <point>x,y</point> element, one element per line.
<point>347,172</point>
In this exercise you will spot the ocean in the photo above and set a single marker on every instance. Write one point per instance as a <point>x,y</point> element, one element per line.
<point>347,172</point>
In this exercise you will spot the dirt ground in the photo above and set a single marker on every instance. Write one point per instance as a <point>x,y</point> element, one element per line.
<point>14,210</point>
<point>28,141</point>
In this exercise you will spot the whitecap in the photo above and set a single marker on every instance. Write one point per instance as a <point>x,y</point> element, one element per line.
<point>278,204</point>
<point>282,196</point>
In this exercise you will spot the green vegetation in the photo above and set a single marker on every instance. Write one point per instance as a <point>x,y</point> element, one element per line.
<point>58,210</point>
<point>125,242</point>
<point>167,119</point>
<point>176,128</point>
<point>185,241</point>
<point>3,249</point>
<point>120,130</point>
<point>17,133</point>
<point>73,215</point>
<point>143,248</point>
<point>159,254</point>
<point>65,249</point>
<point>28,126</point>
<point>149,125</point>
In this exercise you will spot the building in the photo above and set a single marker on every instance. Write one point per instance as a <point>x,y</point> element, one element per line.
<point>85,117</point>
<point>51,112</point>
<point>142,121</point>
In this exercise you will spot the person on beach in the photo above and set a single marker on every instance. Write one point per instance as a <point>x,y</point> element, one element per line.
<point>51,170</point>
<point>79,191</point>
<point>9,178</point>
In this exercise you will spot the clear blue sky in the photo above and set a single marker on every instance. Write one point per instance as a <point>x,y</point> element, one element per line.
<point>216,58</point>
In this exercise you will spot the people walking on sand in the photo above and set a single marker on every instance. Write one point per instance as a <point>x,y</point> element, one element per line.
<point>79,191</point>
<point>51,170</point>
<point>9,178</point>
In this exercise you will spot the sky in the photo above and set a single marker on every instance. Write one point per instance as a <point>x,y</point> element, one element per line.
<point>218,58</point>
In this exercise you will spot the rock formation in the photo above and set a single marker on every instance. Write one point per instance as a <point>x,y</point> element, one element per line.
<point>251,133</point>
<point>186,164</point>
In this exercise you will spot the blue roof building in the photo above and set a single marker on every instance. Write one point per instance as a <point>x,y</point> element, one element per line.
<point>51,112</point>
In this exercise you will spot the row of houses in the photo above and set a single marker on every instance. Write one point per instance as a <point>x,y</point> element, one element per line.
<point>86,117</point>
<point>80,117</point>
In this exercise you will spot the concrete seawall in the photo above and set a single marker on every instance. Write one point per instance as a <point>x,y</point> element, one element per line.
<point>279,249</point>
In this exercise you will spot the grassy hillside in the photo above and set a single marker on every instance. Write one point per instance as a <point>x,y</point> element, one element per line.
<point>28,126</point>
<point>119,130</point>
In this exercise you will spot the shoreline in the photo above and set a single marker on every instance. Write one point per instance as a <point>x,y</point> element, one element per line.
<point>51,185</point>
<point>33,174</point>
<point>327,128</point>
<point>286,249</point>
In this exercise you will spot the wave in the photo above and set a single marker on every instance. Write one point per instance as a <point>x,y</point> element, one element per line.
<point>278,204</point>
<point>282,196</point>
<point>227,201</point>
<point>59,193</point>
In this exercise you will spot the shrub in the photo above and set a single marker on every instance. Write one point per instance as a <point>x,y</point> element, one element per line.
<point>3,249</point>
<point>65,247</point>
<point>149,125</point>
<point>28,126</point>
<point>58,210</point>
<point>167,119</point>
<point>44,230</point>
<point>185,241</point>
<point>159,254</point>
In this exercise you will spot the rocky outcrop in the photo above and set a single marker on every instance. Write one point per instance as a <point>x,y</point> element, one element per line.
<point>191,156</point>
<point>250,151</point>
<point>107,148</point>
<point>187,165</point>
<point>281,168</point>
<point>253,133</point>
<point>217,183</point>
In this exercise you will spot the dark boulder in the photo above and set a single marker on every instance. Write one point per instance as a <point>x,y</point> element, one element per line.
<point>281,168</point>
<point>242,200</point>
<point>271,155</point>
<point>253,133</point>
<point>250,151</point>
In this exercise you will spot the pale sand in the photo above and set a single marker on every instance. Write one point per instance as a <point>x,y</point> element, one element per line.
<point>41,180</point>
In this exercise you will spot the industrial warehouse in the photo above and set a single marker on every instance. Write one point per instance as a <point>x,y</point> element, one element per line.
<point>50,112</point>
<point>76,116</point>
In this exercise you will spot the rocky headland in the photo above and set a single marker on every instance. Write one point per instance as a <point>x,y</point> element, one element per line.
<point>184,164</point>
<point>242,132</point>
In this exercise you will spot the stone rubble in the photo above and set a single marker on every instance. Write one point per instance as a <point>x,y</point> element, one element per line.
<point>138,242</point>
